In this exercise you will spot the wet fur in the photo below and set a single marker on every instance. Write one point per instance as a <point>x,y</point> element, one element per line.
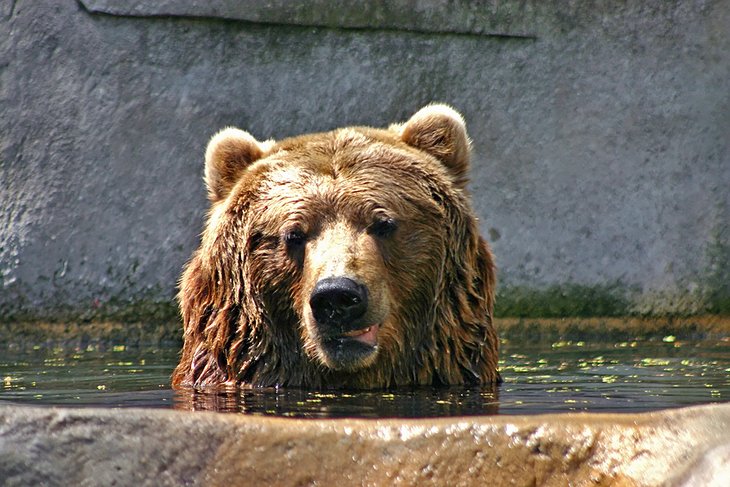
<point>242,298</point>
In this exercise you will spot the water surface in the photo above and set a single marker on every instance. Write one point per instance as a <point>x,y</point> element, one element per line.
<point>538,377</point>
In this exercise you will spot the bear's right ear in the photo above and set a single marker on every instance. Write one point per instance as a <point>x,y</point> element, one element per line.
<point>229,153</point>
<point>440,130</point>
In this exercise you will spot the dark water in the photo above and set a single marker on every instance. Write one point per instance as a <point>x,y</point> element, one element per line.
<point>548,377</point>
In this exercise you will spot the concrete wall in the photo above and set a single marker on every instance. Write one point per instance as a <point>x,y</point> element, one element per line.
<point>601,130</point>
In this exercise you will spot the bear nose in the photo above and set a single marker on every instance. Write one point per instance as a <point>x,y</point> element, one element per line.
<point>338,301</point>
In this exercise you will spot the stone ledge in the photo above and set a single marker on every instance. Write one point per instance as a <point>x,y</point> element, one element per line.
<point>79,334</point>
<point>52,446</point>
<point>698,327</point>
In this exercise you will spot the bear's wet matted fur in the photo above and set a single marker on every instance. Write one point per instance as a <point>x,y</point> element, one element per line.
<point>350,258</point>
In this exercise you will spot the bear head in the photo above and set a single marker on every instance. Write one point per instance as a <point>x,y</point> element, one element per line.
<point>350,258</point>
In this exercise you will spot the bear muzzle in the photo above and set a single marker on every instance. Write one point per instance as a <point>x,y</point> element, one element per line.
<point>339,307</point>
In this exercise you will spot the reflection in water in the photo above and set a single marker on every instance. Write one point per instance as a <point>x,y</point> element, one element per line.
<point>632,376</point>
<point>403,403</point>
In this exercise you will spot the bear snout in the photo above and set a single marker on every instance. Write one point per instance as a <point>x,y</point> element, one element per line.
<point>338,305</point>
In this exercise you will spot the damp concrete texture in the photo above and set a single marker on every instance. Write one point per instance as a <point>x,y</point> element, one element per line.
<point>45,446</point>
<point>601,166</point>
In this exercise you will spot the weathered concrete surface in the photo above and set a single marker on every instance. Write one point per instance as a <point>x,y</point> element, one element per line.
<point>601,142</point>
<point>152,447</point>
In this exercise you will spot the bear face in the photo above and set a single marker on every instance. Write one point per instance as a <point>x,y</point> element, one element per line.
<point>345,259</point>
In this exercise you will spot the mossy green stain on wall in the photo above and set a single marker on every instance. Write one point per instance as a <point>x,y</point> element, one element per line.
<point>144,310</point>
<point>559,301</point>
<point>569,300</point>
<point>718,280</point>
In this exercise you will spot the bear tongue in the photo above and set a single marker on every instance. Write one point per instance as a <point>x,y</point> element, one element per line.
<point>367,335</point>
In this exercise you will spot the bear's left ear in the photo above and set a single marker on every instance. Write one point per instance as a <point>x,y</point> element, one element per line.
<point>229,153</point>
<point>440,131</point>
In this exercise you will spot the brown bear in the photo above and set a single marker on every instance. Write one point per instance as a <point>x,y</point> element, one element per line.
<point>350,258</point>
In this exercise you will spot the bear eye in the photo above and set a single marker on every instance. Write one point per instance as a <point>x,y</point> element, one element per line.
<point>383,228</point>
<point>295,239</point>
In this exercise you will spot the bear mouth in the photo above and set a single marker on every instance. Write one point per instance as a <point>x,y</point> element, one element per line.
<point>351,350</point>
<point>368,335</point>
